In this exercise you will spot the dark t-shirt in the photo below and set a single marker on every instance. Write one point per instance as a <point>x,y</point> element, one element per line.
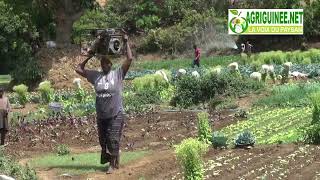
<point>108,90</point>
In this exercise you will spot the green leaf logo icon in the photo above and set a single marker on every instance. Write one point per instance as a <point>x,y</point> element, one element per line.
<point>234,12</point>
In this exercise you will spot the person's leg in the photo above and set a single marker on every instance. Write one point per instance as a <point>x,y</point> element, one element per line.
<point>102,140</point>
<point>115,132</point>
<point>193,63</point>
<point>198,63</point>
<point>3,136</point>
<point>117,163</point>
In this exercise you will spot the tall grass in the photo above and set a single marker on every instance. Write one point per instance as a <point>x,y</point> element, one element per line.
<point>184,63</point>
<point>292,95</point>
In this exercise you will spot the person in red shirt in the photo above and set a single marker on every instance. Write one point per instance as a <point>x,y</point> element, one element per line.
<point>196,60</point>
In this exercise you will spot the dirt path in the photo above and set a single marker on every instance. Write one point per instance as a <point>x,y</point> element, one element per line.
<point>156,131</point>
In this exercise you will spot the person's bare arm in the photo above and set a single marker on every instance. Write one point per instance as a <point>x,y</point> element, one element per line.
<point>127,63</point>
<point>81,70</point>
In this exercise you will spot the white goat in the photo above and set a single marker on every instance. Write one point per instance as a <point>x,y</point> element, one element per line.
<point>256,76</point>
<point>233,66</point>
<point>195,74</point>
<point>162,74</point>
<point>181,72</point>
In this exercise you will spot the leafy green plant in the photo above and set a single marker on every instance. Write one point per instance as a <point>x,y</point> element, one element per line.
<point>245,138</point>
<point>289,95</point>
<point>62,150</point>
<point>46,91</point>
<point>188,92</point>
<point>219,140</point>
<point>315,99</point>
<point>204,127</point>
<point>150,82</point>
<point>16,53</point>
<point>22,92</point>
<point>11,168</point>
<point>80,94</point>
<point>312,134</point>
<point>189,154</point>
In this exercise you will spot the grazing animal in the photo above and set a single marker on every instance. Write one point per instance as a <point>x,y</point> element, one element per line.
<point>195,74</point>
<point>234,66</point>
<point>163,74</point>
<point>256,76</point>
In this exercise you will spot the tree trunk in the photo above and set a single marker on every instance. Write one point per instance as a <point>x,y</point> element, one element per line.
<point>65,17</point>
<point>64,31</point>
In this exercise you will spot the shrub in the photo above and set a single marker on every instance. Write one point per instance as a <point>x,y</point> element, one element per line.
<point>312,134</point>
<point>192,91</point>
<point>17,33</point>
<point>151,82</point>
<point>315,100</point>
<point>62,150</point>
<point>204,127</point>
<point>22,92</point>
<point>189,154</point>
<point>219,140</point>
<point>80,95</point>
<point>245,138</point>
<point>138,102</point>
<point>188,92</point>
<point>46,91</point>
<point>13,169</point>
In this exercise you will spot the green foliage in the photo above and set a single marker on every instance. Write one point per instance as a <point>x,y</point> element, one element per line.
<point>173,39</point>
<point>245,138</point>
<point>150,82</point>
<point>312,134</point>
<point>62,150</point>
<point>139,103</point>
<point>263,4</point>
<point>80,95</point>
<point>279,57</point>
<point>272,125</point>
<point>189,154</point>
<point>289,95</point>
<point>219,140</point>
<point>46,91</point>
<point>16,53</point>
<point>315,100</point>
<point>311,19</point>
<point>204,127</point>
<point>188,92</point>
<point>96,18</point>
<point>22,92</point>
<point>11,168</point>
<point>192,91</point>
<point>153,87</point>
<point>171,64</point>
<point>39,17</point>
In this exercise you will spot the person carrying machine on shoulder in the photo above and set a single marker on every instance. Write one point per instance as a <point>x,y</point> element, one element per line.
<point>108,85</point>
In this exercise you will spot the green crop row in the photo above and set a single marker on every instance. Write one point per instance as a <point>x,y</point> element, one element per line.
<point>282,125</point>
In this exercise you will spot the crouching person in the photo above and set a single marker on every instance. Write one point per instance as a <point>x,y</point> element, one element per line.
<point>4,118</point>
